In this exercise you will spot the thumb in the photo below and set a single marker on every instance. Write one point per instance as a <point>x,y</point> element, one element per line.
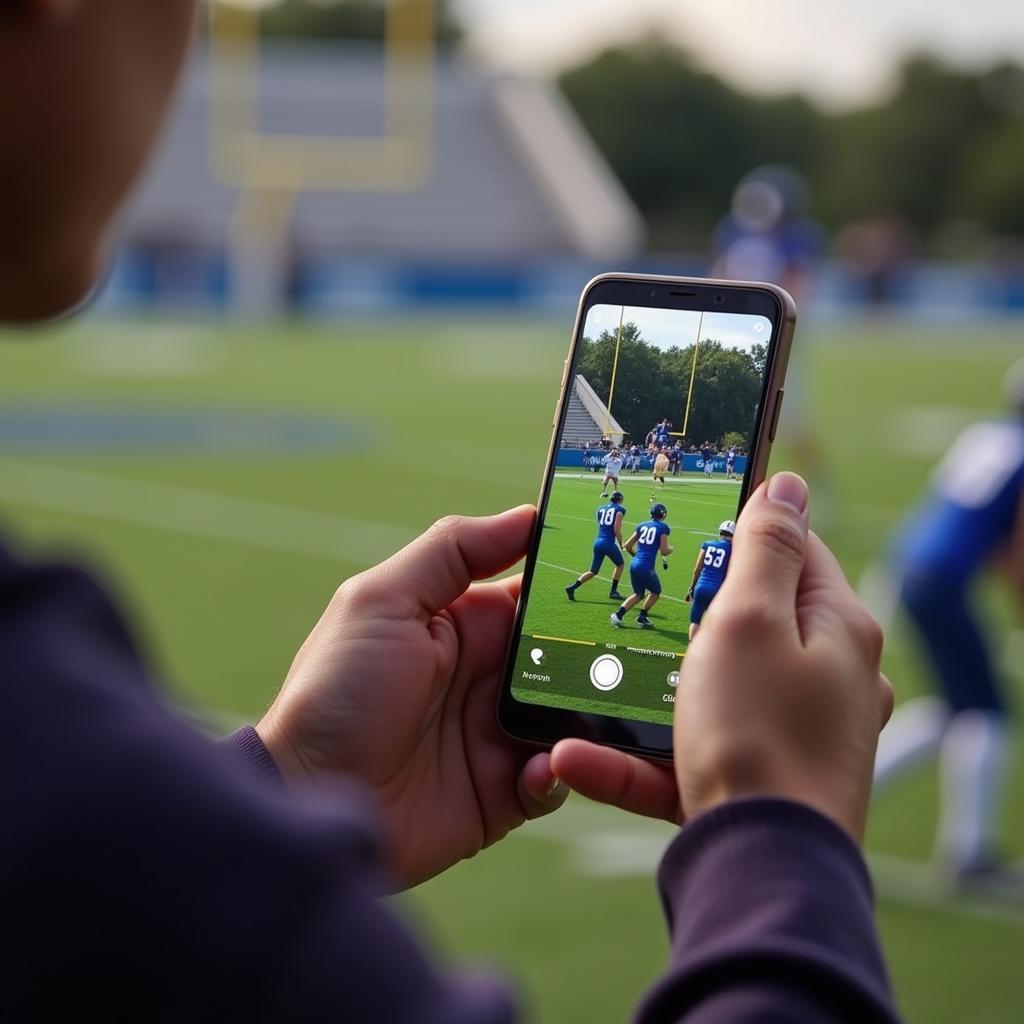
<point>437,568</point>
<point>771,545</point>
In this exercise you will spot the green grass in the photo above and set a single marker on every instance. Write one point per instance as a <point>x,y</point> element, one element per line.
<point>228,563</point>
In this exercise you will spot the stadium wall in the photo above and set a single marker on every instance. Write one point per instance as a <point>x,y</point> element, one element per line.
<point>580,458</point>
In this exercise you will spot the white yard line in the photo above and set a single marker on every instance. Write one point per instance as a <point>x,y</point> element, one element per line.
<point>690,499</point>
<point>586,474</point>
<point>604,842</point>
<point>199,513</point>
<point>916,884</point>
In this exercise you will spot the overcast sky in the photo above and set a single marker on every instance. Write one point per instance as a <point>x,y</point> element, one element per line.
<point>668,328</point>
<point>840,51</point>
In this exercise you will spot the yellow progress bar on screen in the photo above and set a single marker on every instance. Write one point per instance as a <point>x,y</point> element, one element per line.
<point>563,640</point>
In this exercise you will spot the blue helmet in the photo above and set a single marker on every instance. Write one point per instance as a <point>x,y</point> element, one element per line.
<point>658,511</point>
<point>616,496</point>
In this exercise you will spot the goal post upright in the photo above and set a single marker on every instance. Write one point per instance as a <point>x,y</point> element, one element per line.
<point>615,367</point>
<point>693,373</point>
<point>270,170</point>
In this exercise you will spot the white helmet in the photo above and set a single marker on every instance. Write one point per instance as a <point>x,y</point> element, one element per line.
<point>728,527</point>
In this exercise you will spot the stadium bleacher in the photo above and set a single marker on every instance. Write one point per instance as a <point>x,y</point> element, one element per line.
<point>498,194</point>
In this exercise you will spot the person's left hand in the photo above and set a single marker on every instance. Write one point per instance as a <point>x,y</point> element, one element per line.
<point>397,686</point>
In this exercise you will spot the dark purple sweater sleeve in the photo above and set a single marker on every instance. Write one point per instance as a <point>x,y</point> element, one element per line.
<point>148,874</point>
<point>770,910</point>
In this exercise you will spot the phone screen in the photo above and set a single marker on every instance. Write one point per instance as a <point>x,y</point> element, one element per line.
<point>649,469</point>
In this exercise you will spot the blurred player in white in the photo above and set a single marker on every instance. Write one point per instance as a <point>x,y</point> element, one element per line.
<point>612,469</point>
<point>971,519</point>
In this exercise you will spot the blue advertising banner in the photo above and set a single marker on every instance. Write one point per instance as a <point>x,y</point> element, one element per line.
<point>579,458</point>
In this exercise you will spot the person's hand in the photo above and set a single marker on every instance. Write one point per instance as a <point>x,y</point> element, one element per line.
<point>780,692</point>
<point>397,685</point>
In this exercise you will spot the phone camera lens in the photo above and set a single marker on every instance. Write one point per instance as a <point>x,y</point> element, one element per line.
<point>718,298</point>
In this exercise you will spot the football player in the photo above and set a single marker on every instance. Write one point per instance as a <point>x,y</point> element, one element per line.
<point>607,544</point>
<point>612,469</point>
<point>709,573</point>
<point>972,517</point>
<point>659,470</point>
<point>709,459</point>
<point>645,544</point>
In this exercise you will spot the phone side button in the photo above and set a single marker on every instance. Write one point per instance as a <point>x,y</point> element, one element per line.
<point>775,415</point>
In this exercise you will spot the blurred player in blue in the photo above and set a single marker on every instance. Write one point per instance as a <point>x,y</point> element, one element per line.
<point>767,235</point>
<point>607,544</point>
<point>972,518</point>
<point>649,540</point>
<point>708,454</point>
<point>709,573</point>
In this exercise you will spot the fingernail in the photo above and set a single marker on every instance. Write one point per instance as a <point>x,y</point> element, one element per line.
<point>555,788</point>
<point>789,489</point>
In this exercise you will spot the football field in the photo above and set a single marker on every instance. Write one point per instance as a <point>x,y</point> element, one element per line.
<point>695,506</point>
<point>226,479</point>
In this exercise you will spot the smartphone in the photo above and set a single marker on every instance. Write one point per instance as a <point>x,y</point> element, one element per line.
<point>666,415</point>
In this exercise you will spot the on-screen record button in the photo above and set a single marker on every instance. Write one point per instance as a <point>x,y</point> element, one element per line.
<point>606,672</point>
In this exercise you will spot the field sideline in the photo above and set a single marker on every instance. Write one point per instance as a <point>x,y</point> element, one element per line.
<point>287,459</point>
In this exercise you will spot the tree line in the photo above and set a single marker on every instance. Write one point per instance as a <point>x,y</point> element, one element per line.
<point>652,384</point>
<point>947,145</point>
<point>942,154</point>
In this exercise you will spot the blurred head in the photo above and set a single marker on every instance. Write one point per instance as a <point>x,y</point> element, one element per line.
<point>84,85</point>
<point>616,497</point>
<point>767,196</point>
<point>658,511</point>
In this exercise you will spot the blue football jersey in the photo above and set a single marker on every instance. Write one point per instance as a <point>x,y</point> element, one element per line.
<point>648,542</point>
<point>972,506</point>
<point>715,562</point>
<point>606,521</point>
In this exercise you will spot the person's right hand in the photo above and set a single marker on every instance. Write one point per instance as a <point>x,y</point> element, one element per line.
<point>780,692</point>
